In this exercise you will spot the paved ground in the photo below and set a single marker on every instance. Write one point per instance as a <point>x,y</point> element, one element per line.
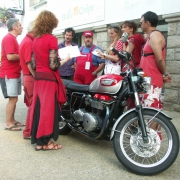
<point>80,157</point>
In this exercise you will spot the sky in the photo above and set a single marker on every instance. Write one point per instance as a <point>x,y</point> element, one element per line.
<point>9,3</point>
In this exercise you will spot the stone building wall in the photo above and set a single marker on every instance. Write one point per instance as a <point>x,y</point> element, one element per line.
<point>103,39</point>
<point>172,90</point>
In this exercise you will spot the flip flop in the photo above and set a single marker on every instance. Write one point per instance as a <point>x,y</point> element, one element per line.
<point>13,128</point>
<point>19,124</point>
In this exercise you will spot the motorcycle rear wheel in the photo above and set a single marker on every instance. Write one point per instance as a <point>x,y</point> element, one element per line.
<point>146,158</point>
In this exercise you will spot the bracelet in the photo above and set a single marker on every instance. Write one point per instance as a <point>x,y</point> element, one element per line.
<point>164,75</point>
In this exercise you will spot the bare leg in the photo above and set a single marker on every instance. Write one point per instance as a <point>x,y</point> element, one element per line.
<point>13,116</point>
<point>10,110</point>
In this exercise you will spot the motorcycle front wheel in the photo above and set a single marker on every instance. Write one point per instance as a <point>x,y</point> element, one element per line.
<point>146,158</point>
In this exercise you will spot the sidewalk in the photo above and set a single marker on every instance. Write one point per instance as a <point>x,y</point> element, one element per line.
<point>80,158</point>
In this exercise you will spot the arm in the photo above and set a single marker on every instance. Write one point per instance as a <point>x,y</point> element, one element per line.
<point>114,58</point>
<point>75,65</point>
<point>33,62</point>
<point>30,69</point>
<point>157,43</point>
<point>62,62</point>
<point>54,63</point>
<point>99,69</point>
<point>129,48</point>
<point>13,57</point>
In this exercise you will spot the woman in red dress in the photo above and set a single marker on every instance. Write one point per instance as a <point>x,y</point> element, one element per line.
<point>49,92</point>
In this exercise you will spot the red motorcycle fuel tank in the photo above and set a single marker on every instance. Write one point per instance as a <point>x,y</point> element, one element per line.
<point>109,83</point>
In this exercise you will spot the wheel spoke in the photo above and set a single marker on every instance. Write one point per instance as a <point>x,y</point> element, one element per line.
<point>139,152</point>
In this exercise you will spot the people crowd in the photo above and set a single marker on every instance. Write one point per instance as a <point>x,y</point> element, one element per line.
<point>43,69</point>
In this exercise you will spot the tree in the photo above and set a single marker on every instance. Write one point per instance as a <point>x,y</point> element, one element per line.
<point>5,14</point>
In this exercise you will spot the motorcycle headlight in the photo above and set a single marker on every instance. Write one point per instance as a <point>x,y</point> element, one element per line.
<point>146,83</point>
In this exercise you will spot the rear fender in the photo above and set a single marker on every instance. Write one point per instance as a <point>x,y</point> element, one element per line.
<point>131,111</point>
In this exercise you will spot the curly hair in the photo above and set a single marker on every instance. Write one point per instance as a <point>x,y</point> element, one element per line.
<point>45,23</point>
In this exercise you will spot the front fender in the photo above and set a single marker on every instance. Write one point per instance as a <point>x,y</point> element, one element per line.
<point>157,111</point>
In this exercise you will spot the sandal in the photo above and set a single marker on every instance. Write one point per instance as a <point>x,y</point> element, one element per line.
<point>19,124</point>
<point>13,128</point>
<point>38,149</point>
<point>51,146</point>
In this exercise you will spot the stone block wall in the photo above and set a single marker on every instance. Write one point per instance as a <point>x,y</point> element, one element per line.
<point>172,90</point>
<point>60,38</point>
<point>103,39</point>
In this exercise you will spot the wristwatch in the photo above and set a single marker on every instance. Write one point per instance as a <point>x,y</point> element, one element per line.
<point>104,55</point>
<point>164,75</point>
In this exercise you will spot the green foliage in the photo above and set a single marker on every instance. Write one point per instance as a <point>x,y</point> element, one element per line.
<point>5,14</point>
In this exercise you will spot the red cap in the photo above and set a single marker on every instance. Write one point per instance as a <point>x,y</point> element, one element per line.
<point>88,33</point>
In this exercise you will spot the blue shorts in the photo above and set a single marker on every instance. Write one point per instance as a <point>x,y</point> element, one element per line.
<point>11,87</point>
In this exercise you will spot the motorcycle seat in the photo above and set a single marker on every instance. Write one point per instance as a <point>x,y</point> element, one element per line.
<point>69,84</point>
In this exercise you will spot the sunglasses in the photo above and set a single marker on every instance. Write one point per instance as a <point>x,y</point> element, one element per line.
<point>114,26</point>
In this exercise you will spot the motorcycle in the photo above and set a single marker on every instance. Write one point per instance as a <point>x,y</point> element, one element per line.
<point>145,141</point>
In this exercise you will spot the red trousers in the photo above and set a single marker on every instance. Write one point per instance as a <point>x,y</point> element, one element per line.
<point>28,82</point>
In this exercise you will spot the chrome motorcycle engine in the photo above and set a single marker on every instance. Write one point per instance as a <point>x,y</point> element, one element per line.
<point>90,122</point>
<point>91,116</point>
<point>78,115</point>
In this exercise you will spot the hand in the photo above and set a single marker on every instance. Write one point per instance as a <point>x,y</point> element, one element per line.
<point>73,66</point>
<point>167,79</point>
<point>94,73</point>
<point>100,53</point>
<point>68,57</point>
<point>59,59</point>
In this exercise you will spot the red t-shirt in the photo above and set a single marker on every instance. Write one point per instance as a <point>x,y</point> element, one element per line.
<point>41,48</point>
<point>9,68</point>
<point>25,50</point>
<point>138,42</point>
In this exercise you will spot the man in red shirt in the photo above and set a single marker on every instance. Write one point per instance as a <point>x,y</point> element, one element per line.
<point>153,60</point>
<point>10,72</point>
<point>25,51</point>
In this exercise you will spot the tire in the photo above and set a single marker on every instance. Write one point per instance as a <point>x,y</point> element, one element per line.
<point>146,159</point>
<point>64,129</point>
